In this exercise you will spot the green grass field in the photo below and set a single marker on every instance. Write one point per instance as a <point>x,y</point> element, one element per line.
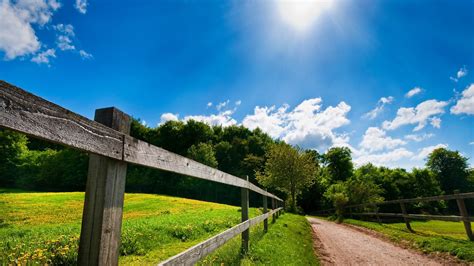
<point>45,227</point>
<point>429,236</point>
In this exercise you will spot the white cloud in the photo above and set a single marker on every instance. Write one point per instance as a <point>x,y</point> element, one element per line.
<point>376,139</point>
<point>64,35</point>
<point>418,138</point>
<point>44,57</point>
<point>85,55</point>
<point>239,102</point>
<point>168,117</point>
<point>81,6</point>
<point>465,105</point>
<point>209,104</point>
<point>17,36</point>
<point>419,115</point>
<point>222,119</point>
<point>379,107</point>
<point>471,143</point>
<point>435,122</point>
<point>222,105</point>
<point>424,152</point>
<point>389,159</point>
<point>306,125</point>
<point>462,72</point>
<point>413,92</point>
<point>267,119</point>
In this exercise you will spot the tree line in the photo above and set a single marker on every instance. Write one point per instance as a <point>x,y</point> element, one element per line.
<point>308,180</point>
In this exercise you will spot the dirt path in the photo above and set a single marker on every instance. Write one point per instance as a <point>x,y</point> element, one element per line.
<point>341,245</point>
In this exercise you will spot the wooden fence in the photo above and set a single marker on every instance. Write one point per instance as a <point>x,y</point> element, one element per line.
<point>459,197</point>
<point>111,148</point>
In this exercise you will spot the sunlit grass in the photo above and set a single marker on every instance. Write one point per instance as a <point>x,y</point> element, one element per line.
<point>288,242</point>
<point>45,227</point>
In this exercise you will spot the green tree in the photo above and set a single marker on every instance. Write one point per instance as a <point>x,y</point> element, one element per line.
<point>288,170</point>
<point>12,148</point>
<point>338,164</point>
<point>451,169</point>
<point>203,153</point>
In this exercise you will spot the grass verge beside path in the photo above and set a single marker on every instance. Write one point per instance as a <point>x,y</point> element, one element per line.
<point>287,242</point>
<point>429,236</point>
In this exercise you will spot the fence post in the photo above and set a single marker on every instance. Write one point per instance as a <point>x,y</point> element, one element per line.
<point>103,204</point>
<point>377,214</point>
<point>265,210</point>
<point>465,217</point>
<point>245,217</point>
<point>273,208</point>
<point>405,216</point>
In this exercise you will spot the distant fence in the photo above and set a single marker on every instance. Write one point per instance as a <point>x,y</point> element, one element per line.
<point>459,197</point>
<point>107,139</point>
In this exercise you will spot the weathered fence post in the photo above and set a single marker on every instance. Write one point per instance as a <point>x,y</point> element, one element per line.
<point>273,208</point>
<point>377,214</point>
<point>405,216</point>
<point>245,217</point>
<point>103,204</point>
<point>265,210</point>
<point>465,217</point>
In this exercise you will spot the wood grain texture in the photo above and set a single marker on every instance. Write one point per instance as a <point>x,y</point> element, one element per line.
<point>199,251</point>
<point>103,206</point>
<point>24,112</point>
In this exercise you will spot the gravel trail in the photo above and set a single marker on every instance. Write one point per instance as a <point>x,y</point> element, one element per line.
<point>340,245</point>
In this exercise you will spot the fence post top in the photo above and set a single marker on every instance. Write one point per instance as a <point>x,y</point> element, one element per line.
<point>114,118</point>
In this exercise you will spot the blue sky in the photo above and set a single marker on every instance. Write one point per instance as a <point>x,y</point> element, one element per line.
<point>314,73</point>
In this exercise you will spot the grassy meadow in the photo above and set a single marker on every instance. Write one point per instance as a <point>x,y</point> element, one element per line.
<point>45,227</point>
<point>429,236</point>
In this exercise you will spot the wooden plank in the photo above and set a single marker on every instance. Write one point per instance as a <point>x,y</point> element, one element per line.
<point>468,195</point>
<point>265,210</point>
<point>465,218</point>
<point>26,113</point>
<point>273,208</point>
<point>29,114</point>
<point>199,251</point>
<point>143,153</point>
<point>451,218</point>
<point>103,205</point>
<point>244,217</point>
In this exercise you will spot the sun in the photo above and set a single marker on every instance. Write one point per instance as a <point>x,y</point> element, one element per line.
<point>302,14</point>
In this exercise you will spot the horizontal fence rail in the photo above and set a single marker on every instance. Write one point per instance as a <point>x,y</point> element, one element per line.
<point>111,149</point>
<point>459,197</point>
<point>199,251</point>
<point>29,114</point>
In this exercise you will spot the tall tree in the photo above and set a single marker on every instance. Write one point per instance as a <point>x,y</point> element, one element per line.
<point>451,169</point>
<point>338,163</point>
<point>288,170</point>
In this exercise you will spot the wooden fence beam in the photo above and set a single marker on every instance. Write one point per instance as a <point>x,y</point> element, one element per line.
<point>245,217</point>
<point>103,205</point>
<point>265,210</point>
<point>405,216</point>
<point>465,217</point>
